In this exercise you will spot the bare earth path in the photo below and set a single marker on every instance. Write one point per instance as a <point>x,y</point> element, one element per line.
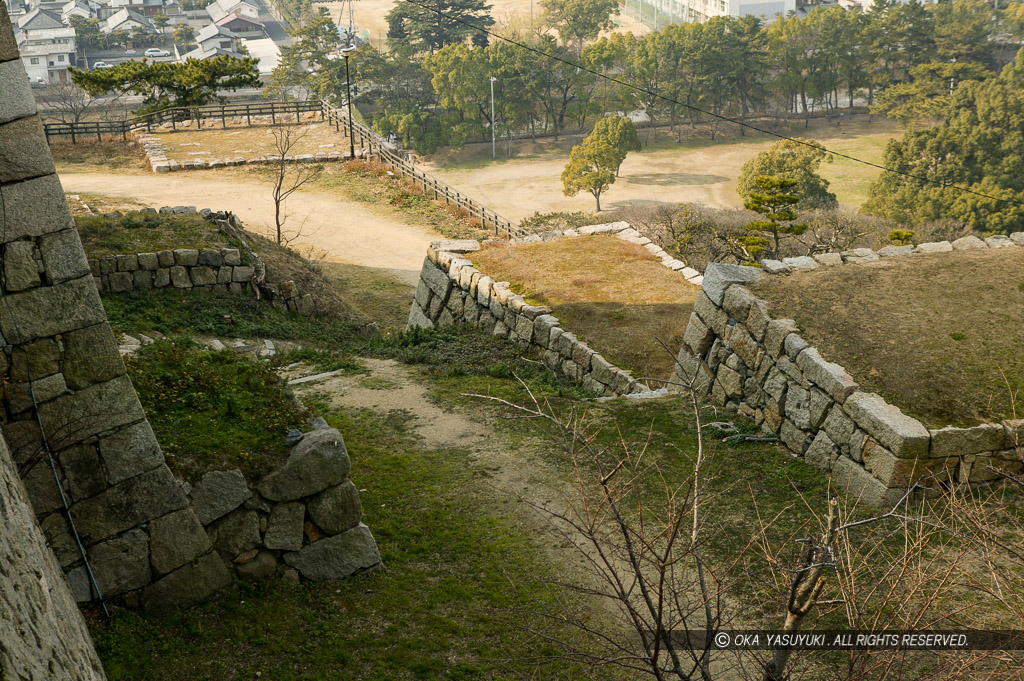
<point>349,231</point>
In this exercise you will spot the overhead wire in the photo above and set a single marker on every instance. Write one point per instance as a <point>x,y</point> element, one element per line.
<point>728,119</point>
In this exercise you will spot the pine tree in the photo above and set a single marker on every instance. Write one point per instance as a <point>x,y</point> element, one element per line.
<point>778,206</point>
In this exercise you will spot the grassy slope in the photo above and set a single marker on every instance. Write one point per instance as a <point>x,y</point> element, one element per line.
<point>613,295</point>
<point>939,335</point>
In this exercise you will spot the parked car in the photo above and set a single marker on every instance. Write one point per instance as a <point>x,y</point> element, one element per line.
<point>157,52</point>
<point>102,65</point>
<point>37,82</point>
<point>130,52</point>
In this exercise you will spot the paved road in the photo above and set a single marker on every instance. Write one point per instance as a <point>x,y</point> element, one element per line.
<point>276,30</point>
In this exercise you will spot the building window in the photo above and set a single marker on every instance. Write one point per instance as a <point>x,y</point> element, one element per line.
<point>34,61</point>
<point>60,57</point>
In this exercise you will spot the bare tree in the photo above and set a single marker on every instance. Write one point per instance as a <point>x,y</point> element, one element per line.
<point>908,568</point>
<point>68,102</point>
<point>287,177</point>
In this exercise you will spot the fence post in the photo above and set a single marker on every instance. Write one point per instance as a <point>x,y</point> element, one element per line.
<point>298,117</point>
<point>273,116</point>
<point>73,140</point>
<point>248,118</point>
<point>223,118</point>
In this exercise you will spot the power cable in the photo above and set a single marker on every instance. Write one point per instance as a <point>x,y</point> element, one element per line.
<point>721,117</point>
<point>42,430</point>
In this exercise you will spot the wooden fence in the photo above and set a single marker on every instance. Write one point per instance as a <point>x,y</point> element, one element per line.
<point>277,111</point>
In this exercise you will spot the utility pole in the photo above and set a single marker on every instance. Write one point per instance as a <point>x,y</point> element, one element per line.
<point>348,93</point>
<point>494,153</point>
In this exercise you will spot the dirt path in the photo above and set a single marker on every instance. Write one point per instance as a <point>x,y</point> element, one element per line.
<point>350,232</point>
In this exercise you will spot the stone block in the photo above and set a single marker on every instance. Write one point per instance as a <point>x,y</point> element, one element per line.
<point>210,257</point>
<point>35,207</point>
<point>218,493</point>
<point>20,396</point>
<point>320,460</point>
<point>83,473</point>
<point>859,256</point>
<point>284,528</point>
<point>142,280</point>
<point>757,319</point>
<point>186,257</point>
<point>1013,434</point>
<point>828,259</point>
<point>149,261</point>
<point>719,276</point>
<point>803,262</point>
<point>533,311</point>
<point>336,557</point>
<point>337,509</point>
<point>231,256</point>
<point>950,441</point>
<point>203,276</point>
<point>176,539</point>
<point>21,271</point>
<point>581,354</point>
<point>828,376</point>
<point>121,564</point>
<point>775,334</point>
<point>793,345</point>
<point>794,438</point>
<point>242,274</point>
<point>892,471</point>
<point>127,263</point>
<point>863,486</point>
<point>128,504</point>
<point>746,348</point>
<point>1017,238</point>
<point>224,276</point>
<point>165,258</point>
<point>822,452</point>
<point>435,279</point>
<point>180,277</point>
<point>24,153</point>
<point>130,452</point>
<point>838,425</point>
<point>798,406</point>
<point>42,488</point>
<point>235,533</point>
<point>108,264</point>
<point>162,278</point>
<point>772,266</point>
<point>542,326</point>
<point>101,407</point>
<point>820,405</point>
<point>904,436</point>
<point>33,360</point>
<point>731,381</point>
<point>260,568</point>
<point>934,247</point>
<point>968,243</point>
<point>418,318</point>
<point>999,241</point>
<point>564,344</point>
<point>119,282</point>
<point>17,101</point>
<point>776,384</point>
<point>187,586</point>
<point>737,301</point>
<point>895,251</point>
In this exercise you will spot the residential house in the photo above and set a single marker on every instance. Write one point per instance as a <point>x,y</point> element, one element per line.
<point>127,20</point>
<point>213,37</point>
<point>77,8</point>
<point>46,45</point>
<point>242,26</point>
<point>266,52</point>
<point>218,9</point>
<point>201,53</point>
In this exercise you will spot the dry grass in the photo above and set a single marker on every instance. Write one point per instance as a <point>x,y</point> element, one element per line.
<point>938,335</point>
<point>83,205</point>
<point>216,143</point>
<point>613,295</point>
<point>113,154</point>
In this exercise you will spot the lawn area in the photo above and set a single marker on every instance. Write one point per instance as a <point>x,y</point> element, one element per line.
<point>615,296</point>
<point>249,142</point>
<point>668,170</point>
<point>938,335</point>
<point>124,157</point>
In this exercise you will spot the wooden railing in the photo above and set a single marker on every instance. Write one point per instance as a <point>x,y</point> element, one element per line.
<point>278,112</point>
<point>374,145</point>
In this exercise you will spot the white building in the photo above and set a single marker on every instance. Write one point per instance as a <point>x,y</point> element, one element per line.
<point>266,52</point>
<point>46,45</point>
<point>659,13</point>
<point>214,37</point>
<point>77,8</point>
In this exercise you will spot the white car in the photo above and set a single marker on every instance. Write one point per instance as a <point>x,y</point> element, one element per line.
<point>157,52</point>
<point>102,65</point>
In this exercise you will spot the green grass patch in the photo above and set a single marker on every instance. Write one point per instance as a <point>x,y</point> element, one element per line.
<point>213,410</point>
<point>220,314</point>
<point>149,233</point>
<point>448,606</point>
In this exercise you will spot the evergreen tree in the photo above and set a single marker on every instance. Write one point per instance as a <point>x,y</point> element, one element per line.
<point>591,168</point>
<point>445,23</point>
<point>620,134</point>
<point>774,200</point>
<point>792,161</point>
<point>579,20</point>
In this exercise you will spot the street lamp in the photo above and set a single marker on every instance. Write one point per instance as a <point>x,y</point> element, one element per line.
<point>494,153</point>
<point>345,51</point>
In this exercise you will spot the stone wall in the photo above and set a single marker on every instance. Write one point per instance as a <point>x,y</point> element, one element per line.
<point>42,635</point>
<point>307,514</point>
<point>737,356</point>
<point>452,291</point>
<point>208,269</point>
<point>65,385</point>
<point>862,255</point>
